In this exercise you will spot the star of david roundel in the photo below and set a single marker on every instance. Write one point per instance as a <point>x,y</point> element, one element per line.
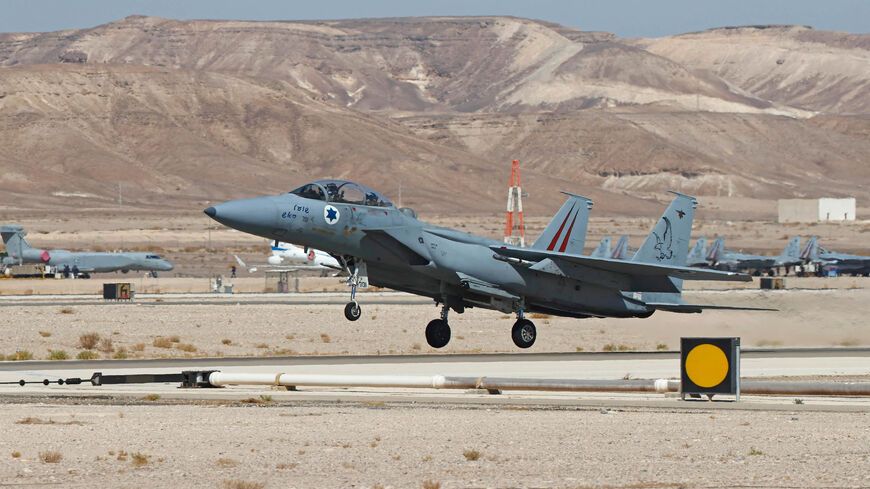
<point>330,215</point>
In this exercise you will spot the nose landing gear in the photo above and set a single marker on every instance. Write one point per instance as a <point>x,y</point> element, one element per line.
<point>359,278</point>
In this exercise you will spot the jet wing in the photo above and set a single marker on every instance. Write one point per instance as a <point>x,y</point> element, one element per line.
<point>625,275</point>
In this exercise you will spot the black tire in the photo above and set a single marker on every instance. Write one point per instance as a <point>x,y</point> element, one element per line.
<point>352,311</point>
<point>524,333</point>
<point>437,333</point>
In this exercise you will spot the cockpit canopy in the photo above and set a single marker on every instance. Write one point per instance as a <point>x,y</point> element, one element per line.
<point>342,191</point>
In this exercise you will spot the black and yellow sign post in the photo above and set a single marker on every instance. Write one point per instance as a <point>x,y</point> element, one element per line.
<point>710,366</point>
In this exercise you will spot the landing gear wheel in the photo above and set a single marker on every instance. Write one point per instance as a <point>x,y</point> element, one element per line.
<point>524,333</point>
<point>437,333</point>
<point>352,311</point>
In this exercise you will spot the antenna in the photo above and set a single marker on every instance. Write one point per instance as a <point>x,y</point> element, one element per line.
<point>515,230</point>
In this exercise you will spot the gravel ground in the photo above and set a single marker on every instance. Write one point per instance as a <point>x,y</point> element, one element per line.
<point>157,328</point>
<point>377,445</point>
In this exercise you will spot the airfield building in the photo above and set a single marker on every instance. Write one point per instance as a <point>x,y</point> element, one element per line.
<point>814,210</point>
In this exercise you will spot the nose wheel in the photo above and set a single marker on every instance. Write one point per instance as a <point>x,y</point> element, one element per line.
<point>524,333</point>
<point>352,311</point>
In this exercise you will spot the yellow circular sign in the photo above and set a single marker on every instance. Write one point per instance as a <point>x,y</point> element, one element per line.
<point>706,365</point>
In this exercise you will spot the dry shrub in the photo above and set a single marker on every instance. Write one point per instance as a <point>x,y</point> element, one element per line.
<point>50,457</point>
<point>287,466</point>
<point>241,484</point>
<point>16,454</point>
<point>139,347</point>
<point>226,462</point>
<point>87,355</point>
<point>45,334</point>
<point>262,345</point>
<point>67,310</point>
<point>186,347</point>
<point>161,342</point>
<point>430,485</point>
<point>57,355</point>
<point>88,341</point>
<point>151,397</point>
<point>471,455</point>
<point>106,345</point>
<point>175,338</point>
<point>325,338</point>
<point>139,459</point>
<point>121,354</point>
<point>226,341</point>
<point>20,355</point>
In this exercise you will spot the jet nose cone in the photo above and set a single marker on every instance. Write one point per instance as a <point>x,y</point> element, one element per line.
<point>256,216</point>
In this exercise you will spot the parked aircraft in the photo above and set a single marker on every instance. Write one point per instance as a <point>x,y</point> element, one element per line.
<point>389,247</point>
<point>603,249</point>
<point>722,258</point>
<point>698,254</point>
<point>620,252</point>
<point>843,262</point>
<point>290,256</point>
<point>20,252</point>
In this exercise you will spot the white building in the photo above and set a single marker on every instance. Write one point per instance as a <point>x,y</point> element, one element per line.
<point>813,210</point>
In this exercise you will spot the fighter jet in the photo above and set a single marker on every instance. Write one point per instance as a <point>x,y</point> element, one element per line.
<point>722,258</point>
<point>19,251</point>
<point>603,249</point>
<point>382,245</point>
<point>292,257</point>
<point>843,262</point>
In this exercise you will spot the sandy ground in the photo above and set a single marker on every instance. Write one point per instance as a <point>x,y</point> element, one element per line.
<point>377,445</point>
<point>226,444</point>
<point>230,326</point>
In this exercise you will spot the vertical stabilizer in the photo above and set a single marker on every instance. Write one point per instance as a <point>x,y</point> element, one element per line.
<point>620,252</point>
<point>566,233</point>
<point>668,243</point>
<point>716,250</point>
<point>698,253</point>
<point>13,238</point>
<point>603,249</point>
<point>810,252</point>
<point>792,251</point>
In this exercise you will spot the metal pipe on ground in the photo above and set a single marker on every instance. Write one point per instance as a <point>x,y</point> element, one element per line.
<point>499,383</point>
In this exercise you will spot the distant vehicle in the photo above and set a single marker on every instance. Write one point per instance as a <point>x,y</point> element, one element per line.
<point>842,262</point>
<point>382,245</point>
<point>292,257</point>
<point>722,258</point>
<point>20,252</point>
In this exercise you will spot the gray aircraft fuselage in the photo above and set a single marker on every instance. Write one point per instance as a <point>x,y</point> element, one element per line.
<point>19,251</point>
<point>406,254</point>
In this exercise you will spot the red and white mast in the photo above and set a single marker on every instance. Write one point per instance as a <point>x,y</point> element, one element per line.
<point>515,230</point>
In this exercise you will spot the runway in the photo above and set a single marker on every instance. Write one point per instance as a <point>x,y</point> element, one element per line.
<point>757,363</point>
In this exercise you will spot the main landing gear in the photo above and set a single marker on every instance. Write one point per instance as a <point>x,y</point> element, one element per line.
<point>523,333</point>
<point>438,331</point>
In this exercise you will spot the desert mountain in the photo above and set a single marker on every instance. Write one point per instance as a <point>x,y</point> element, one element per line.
<point>184,112</point>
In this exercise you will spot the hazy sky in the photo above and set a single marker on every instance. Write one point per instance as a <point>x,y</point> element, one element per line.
<point>626,18</point>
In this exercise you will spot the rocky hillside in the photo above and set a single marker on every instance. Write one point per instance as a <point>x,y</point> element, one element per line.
<point>185,112</point>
